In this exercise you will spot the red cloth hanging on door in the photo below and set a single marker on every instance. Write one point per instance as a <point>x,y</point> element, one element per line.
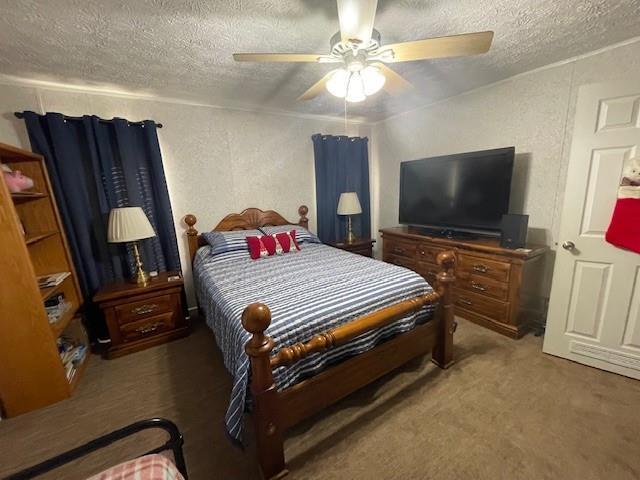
<point>624,230</point>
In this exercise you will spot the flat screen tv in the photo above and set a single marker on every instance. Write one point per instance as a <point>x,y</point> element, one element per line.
<point>462,192</point>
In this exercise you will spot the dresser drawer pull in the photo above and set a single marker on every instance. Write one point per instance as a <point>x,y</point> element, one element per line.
<point>465,300</point>
<point>422,252</point>
<point>479,286</point>
<point>398,250</point>
<point>149,328</point>
<point>480,268</point>
<point>147,308</point>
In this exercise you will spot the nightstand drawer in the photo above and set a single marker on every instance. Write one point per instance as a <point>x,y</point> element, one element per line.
<point>148,327</point>
<point>134,311</point>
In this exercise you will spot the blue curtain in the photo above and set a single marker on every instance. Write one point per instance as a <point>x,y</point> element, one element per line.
<point>341,165</point>
<point>95,166</point>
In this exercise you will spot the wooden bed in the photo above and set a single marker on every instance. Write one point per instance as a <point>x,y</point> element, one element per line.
<point>275,411</point>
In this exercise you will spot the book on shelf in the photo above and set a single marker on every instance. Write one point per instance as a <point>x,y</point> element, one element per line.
<point>56,307</point>
<point>52,279</point>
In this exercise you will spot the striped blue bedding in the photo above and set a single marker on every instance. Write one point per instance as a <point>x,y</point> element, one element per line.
<point>308,292</point>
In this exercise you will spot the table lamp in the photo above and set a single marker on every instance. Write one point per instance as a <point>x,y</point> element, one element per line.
<point>349,205</point>
<point>128,225</point>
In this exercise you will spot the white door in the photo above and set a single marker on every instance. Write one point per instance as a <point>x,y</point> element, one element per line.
<point>594,310</point>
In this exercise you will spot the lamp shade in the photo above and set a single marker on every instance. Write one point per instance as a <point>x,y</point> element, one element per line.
<point>128,224</point>
<point>349,204</point>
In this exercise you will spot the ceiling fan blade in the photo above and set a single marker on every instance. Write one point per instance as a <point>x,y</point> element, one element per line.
<point>440,47</point>
<point>277,57</point>
<point>395,84</point>
<point>356,19</point>
<point>316,89</point>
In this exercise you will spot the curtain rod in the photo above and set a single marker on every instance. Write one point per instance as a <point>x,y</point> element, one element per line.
<point>21,115</point>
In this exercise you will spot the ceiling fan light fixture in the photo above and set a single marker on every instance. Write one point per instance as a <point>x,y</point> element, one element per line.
<point>372,79</point>
<point>355,88</point>
<point>337,83</point>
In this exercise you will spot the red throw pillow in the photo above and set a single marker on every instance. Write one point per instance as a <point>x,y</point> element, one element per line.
<point>261,246</point>
<point>267,245</point>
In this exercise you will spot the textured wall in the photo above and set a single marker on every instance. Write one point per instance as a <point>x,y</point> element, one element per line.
<point>216,161</point>
<point>533,111</point>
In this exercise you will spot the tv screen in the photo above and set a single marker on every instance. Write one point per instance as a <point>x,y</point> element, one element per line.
<point>463,191</point>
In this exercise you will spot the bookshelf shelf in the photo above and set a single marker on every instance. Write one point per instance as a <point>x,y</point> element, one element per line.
<point>37,377</point>
<point>59,327</point>
<point>29,239</point>
<point>26,196</point>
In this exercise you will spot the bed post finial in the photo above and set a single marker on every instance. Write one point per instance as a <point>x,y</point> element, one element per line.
<point>304,221</point>
<point>443,350</point>
<point>256,318</point>
<point>192,234</point>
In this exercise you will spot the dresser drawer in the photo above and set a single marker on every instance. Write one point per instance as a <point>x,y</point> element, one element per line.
<point>134,311</point>
<point>483,286</point>
<point>399,248</point>
<point>147,327</point>
<point>428,253</point>
<point>401,261</point>
<point>429,271</point>
<point>484,268</point>
<point>488,307</point>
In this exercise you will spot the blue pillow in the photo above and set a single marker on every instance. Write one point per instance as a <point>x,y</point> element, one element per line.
<point>302,234</point>
<point>223,242</point>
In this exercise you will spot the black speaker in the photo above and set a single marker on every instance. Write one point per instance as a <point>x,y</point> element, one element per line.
<point>514,230</point>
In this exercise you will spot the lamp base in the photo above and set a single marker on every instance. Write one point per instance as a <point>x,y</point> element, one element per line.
<point>350,235</point>
<point>140,277</point>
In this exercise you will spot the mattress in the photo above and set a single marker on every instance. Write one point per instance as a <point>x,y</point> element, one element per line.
<point>308,292</point>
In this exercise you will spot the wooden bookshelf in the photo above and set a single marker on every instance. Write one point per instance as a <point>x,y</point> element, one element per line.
<point>33,244</point>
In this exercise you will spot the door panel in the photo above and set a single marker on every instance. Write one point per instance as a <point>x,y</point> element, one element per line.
<point>631,337</point>
<point>604,176</point>
<point>588,298</point>
<point>594,309</point>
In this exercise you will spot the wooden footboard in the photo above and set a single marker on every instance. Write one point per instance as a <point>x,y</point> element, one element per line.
<point>276,411</point>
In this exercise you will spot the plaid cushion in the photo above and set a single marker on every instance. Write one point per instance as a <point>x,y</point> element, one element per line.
<point>223,242</point>
<point>149,467</point>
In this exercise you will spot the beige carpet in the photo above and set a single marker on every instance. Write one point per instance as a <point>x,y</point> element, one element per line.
<point>505,410</point>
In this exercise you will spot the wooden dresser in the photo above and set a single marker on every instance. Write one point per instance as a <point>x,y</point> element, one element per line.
<point>496,287</point>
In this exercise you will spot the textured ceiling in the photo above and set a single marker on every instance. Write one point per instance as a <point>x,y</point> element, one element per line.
<point>182,48</point>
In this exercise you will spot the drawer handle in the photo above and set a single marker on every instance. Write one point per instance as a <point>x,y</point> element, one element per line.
<point>479,286</point>
<point>481,268</point>
<point>465,300</point>
<point>149,329</point>
<point>422,252</point>
<point>147,308</point>
<point>398,250</point>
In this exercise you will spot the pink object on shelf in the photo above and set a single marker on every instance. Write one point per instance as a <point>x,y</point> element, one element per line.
<point>16,181</point>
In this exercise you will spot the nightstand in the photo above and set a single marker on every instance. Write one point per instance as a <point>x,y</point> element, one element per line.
<point>361,246</point>
<point>139,317</point>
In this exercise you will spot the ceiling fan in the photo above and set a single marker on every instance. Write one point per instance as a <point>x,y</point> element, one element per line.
<point>363,58</point>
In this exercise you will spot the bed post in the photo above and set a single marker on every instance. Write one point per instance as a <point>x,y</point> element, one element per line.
<point>304,221</point>
<point>269,436</point>
<point>192,235</point>
<point>443,350</point>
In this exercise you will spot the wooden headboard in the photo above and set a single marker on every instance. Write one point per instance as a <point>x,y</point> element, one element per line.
<point>249,219</point>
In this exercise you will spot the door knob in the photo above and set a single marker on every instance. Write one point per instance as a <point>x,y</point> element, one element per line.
<point>569,245</point>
